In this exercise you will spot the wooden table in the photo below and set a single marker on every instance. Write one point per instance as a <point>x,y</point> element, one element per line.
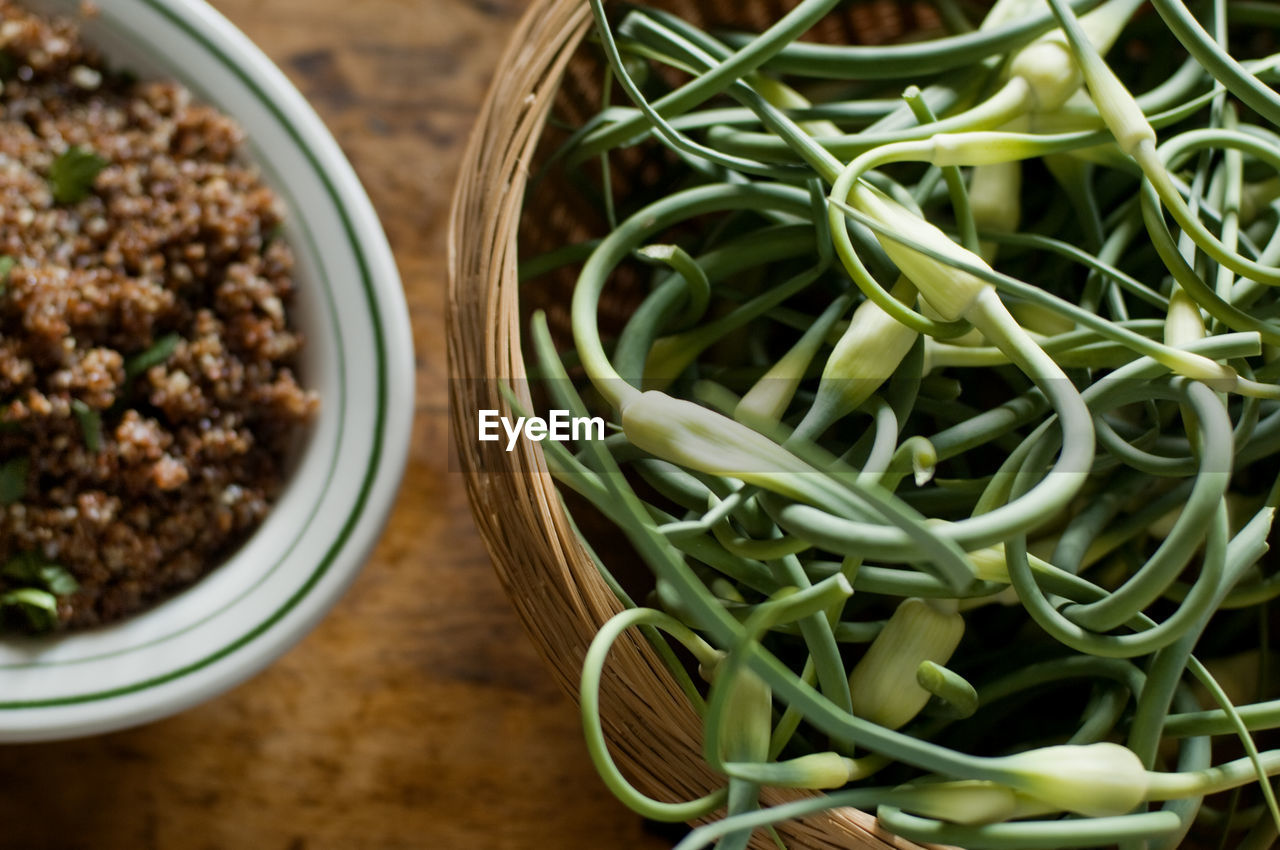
<point>417,715</point>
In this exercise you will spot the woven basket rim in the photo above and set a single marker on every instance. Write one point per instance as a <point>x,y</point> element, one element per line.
<point>544,568</point>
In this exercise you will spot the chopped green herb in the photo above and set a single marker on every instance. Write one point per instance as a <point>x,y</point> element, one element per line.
<point>39,607</point>
<point>72,174</point>
<point>13,479</point>
<point>161,351</point>
<point>90,424</point>
<point>58,581</point>
<point>6,271</point>
<point>32,570</point>
<point>272,235</point>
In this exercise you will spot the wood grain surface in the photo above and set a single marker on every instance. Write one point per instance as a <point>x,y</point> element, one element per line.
<point>416,715</point>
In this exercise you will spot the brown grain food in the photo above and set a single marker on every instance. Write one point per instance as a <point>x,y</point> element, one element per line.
<point>173,246</point>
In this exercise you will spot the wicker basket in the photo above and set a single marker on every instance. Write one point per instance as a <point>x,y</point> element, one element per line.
<point>546,571</point>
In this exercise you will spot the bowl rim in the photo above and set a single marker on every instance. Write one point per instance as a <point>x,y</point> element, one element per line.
<point>233,662</point>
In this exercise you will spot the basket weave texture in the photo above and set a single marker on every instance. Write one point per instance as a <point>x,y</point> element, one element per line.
<point>559,595</point>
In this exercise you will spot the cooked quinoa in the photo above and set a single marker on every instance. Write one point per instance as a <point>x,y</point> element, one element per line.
<point>148,400</point>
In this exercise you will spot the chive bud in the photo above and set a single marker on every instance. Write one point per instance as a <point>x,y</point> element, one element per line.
<point>727,591</point>
<point>1038,319</point>
<point>818,771</point>
<point>916,456</point>
<point>995,198</point>
<point>969,802</point>
<point>783,96</point>
<point>1030,807</point>
<point>747,724</point>
<point>977,148</point>
<point>1047,65</point>
<point>696,437</point>
<point>1050,74</point>
<point>769,399</point>
<point>1095,780</point>
<point>1117,106</point>
<point>992,564</point>
<point>870,351</point>
<point>883,684</point>
<point>924,459</point>
<point>1183,322</point>
<point>949,290</point>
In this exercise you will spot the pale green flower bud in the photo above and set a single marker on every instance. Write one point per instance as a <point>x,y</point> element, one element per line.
<point>870,351</point>
<point>924,459</point>
<point>1049,71</point>
<point>1047,64</point>
<point>696,437</point>
<point>1038,319</point>
<point>995,197</point>
<point>950,291</point>
<point>969,802</point>
<point>1183,322</point>
<point>992,564</point>
<point>748,720</point>
<point>1095,780</point>
<point>784,96</point>
<point>883,685</point>
<point>819,771</point>
<point>763,406</point>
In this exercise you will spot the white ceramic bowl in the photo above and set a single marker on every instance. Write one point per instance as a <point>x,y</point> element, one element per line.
<point>359,357</point>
